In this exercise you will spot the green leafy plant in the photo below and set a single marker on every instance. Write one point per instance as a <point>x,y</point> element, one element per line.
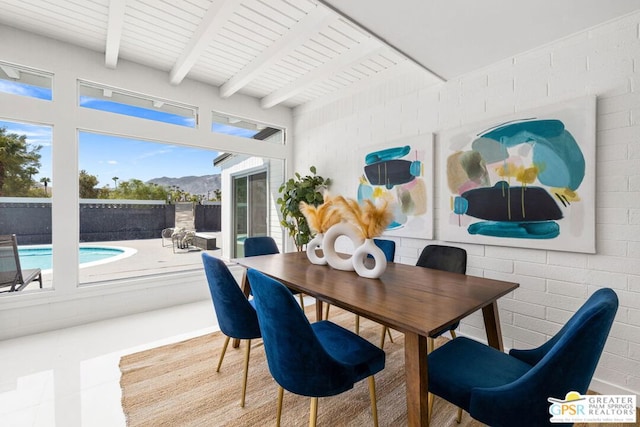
<point>308,189</point>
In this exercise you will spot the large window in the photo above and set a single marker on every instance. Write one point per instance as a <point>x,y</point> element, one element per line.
<point>245,128</point>
<point>120,101</point>
<point>130,190</point>
<point>24,81</point>
<point>25,194</point>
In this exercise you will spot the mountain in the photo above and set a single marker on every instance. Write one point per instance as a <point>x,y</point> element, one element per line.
<point>191,184</point>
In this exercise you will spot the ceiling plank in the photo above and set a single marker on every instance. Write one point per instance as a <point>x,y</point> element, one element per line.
<point>357,54</point>
<point>310,25</point>
<point>114,32</point>
<point>217,14</point>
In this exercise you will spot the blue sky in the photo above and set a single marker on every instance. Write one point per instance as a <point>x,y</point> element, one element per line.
<point>36,135</point>
<point>108,156</point>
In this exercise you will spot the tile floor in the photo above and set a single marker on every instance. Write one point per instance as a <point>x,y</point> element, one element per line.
<point>70,377</point>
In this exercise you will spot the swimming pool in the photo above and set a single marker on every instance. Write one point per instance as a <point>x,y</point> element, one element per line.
<point>40,256</point>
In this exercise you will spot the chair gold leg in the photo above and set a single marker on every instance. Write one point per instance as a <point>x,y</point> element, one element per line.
<point>313,412</point>
<point>301,300</point>
<point>430,403</point>
<point>247,352</point>
<point>453,334</point>
<point>224,350</point>
<point>384,335</point>
<point>385,331</point>
<point>459,418</point>
<point>279,413</point>
<point>357,324</point>
<point>374,400</point>
<point>326,312</point>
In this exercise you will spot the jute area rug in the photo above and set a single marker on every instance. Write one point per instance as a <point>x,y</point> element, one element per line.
<point>177,385</point>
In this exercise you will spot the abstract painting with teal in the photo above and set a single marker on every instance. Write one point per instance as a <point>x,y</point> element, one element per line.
<point>389,176</point>
<point>543,159</point>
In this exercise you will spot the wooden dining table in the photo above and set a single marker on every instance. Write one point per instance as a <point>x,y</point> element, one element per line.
<point>416,301</point>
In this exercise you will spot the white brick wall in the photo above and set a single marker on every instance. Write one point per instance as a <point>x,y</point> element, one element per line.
<point>604,61</point>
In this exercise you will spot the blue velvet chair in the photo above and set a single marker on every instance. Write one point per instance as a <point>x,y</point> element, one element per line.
<point>389,249</point>
<point>512,389</point>
<point>264,245</point>
<point>236,315</point>
<point>315,360</point>
<point>445,258</point>
<point>261,245</point>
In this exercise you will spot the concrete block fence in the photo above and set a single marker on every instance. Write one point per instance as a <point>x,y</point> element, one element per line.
<point>100,221</point>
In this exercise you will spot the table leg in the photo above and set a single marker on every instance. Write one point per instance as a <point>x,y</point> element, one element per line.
<point>318,310</point>
<point>492,325</point>
<point>417,379</point>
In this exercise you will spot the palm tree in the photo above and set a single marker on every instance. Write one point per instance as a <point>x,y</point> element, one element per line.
<point>31,171</point>
<point>46,182</point>
<point>115,181</point>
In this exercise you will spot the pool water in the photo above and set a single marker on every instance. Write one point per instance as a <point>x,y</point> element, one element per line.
<point>41,257</point>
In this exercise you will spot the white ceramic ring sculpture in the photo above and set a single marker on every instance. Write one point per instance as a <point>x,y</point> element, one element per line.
<point>369,247</point>
<point>312,247</point>
<point>329,245</point>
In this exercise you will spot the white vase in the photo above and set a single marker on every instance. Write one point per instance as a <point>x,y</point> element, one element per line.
<point>312,250</point>
<point>329,245</point>
<point>359,259</point>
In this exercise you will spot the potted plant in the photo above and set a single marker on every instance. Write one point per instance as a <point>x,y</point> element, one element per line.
<point>309,189</point>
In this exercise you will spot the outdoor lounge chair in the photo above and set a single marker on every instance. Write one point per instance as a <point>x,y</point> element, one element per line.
<point>182,238</point>
<point>166,234</point>
<point>11,275</point>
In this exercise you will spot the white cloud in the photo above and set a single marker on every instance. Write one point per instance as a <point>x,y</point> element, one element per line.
<point>10,87</point>
<point>36,134</point>
<point>154,153</point>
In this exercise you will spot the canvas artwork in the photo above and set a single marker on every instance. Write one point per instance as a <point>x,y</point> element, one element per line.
<point>527,180</point>
<point>401,172</point>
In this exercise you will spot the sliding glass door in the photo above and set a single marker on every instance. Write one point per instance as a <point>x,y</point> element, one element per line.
<point>250,209</point>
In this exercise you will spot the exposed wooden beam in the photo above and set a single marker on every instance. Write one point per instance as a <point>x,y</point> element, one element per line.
<point>307,27</point>
<point>114,32</point>
<point>382,39</point>
<point>337,64</point>
<point>217,14</point>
